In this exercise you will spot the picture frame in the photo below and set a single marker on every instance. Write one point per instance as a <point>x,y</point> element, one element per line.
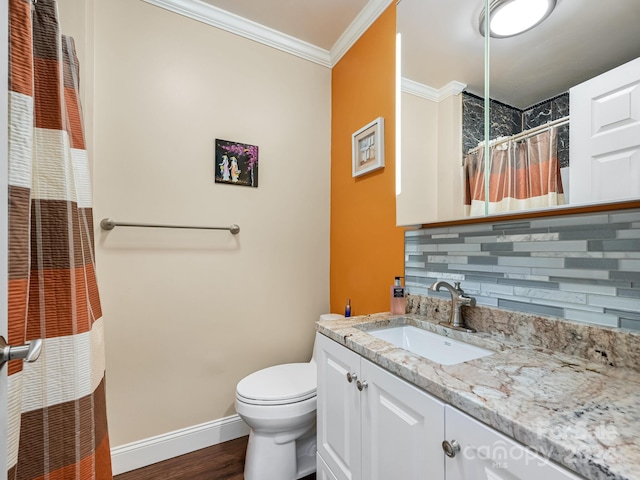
<point>367,148</point>
<point>236,163</point>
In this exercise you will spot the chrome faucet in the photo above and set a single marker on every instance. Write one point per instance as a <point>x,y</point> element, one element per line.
<point>458,300</point>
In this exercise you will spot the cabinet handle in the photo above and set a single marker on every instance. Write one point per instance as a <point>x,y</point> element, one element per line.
<point>361,385</point>
<point>450,449</point>
<point>351,377</point>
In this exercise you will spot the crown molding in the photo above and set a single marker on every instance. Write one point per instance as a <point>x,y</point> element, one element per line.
<point>429,93</point>
<point>216,17</point>
<point>419,90</point>
<point>369,14</point>
<point>452,88</point>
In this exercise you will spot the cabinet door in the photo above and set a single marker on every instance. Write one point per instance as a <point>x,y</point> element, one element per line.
<point>338,408</point>
<point>605,136</point>
<point>322,471</point>
<point>402,429</point>
<point>486,454</point>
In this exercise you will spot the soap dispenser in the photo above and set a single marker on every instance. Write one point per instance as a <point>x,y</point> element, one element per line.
<point>398,298</point>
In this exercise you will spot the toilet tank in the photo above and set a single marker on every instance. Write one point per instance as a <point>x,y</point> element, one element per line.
<point>324,316</point>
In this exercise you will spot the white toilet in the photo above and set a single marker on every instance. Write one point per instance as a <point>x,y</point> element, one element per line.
<point>279,405</point>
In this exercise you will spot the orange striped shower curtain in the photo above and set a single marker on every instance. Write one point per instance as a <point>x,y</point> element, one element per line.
<point>57,427</point>
<point>523,175</point>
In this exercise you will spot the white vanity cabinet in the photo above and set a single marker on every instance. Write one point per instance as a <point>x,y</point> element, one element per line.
<point>485,454</point>
<point>380,427</point>
<point>338,407</point>
<point>322,471</point>
<point>376,426</point>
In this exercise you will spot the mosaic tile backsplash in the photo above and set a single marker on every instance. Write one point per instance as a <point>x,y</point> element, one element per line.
<point>580,267</point>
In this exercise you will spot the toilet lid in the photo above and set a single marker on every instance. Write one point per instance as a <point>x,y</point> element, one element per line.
<point>281,384</point>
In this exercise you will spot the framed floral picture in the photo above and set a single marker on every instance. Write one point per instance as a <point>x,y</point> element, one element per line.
<point>236,163</point>
<point>367,150</point>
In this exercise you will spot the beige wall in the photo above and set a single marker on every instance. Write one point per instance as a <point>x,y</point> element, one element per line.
<point>76,20</point>
<point>189,313</point>
<point>431,178</point>
<point>450,178</point>
<point>417,197</point>
<point>73,22</point>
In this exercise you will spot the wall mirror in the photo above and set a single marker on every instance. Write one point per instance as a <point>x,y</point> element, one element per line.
<point>441,54</point>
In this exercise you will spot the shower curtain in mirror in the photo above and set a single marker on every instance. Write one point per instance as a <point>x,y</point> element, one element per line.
<point>57,427</point>
<point>523,175</point>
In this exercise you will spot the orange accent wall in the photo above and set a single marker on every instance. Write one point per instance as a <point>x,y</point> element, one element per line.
<point>367,249</point>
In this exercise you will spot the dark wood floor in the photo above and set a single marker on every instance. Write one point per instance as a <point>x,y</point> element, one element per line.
<point>224,461</point>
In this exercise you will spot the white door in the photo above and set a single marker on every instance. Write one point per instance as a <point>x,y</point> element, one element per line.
<point>338,408</point>
<point>4,63</point>
<point>402,429</point>
<point>604,140</point>
<point>485,454</point>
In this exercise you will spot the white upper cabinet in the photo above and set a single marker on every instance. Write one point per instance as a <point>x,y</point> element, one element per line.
<point>527,79</point>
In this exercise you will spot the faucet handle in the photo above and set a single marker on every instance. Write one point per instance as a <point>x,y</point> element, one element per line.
<point>467,301</point>
<point>456,285</point>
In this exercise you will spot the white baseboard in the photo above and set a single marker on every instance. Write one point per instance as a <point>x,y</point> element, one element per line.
<point>172,444</point>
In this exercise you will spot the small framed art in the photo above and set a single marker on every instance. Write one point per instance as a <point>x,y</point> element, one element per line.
<point>236,163</point>
<point>367,149</point>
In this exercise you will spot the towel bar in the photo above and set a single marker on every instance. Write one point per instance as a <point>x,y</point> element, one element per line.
<point>108,224</point>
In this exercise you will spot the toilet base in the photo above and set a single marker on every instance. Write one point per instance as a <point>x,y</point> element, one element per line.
<point>267,459</point>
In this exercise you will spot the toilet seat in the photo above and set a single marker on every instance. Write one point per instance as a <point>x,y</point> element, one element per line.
<point>279,385</point>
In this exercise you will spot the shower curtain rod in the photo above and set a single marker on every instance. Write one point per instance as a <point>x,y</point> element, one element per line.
<point>108,224</point>
<point>527,133</point>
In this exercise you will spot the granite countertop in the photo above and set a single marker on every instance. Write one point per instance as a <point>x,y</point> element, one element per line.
<point>581,413</point>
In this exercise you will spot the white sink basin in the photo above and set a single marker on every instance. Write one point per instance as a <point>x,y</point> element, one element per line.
<point>439,349</point>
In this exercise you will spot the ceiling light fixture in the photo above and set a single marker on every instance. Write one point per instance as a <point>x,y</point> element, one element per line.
<point>512,17</point>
